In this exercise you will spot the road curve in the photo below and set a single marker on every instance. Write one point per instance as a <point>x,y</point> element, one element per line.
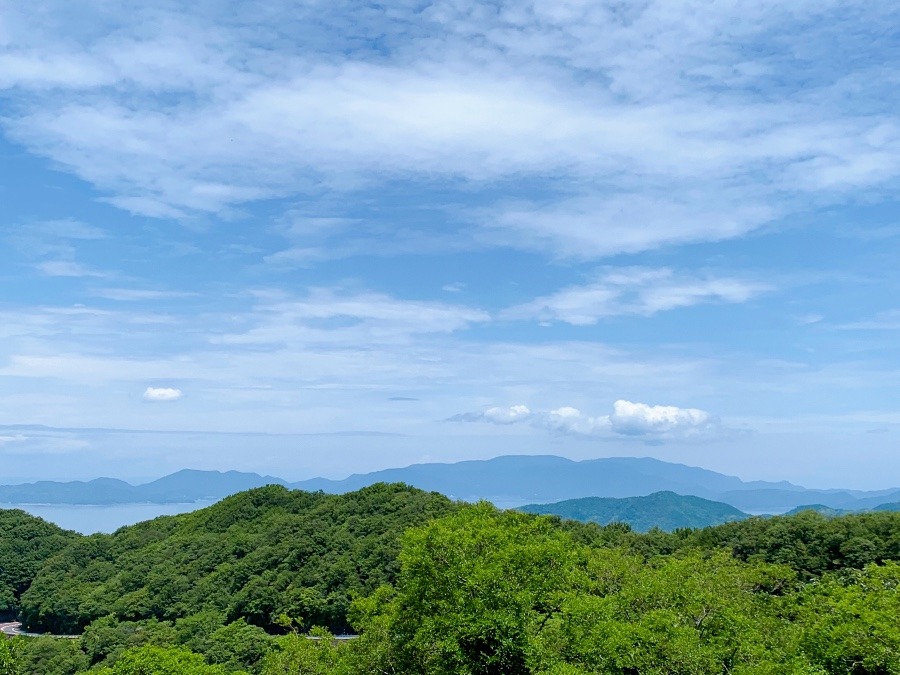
<point>11,628</point>
<point>14,629</point>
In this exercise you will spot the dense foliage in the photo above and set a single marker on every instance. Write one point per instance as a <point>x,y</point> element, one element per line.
<point>258,555</point>
<point>26,543</point>
<point>435,588</point>
<point>808,542</point>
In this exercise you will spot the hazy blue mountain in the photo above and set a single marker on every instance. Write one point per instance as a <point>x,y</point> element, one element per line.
<point>515,480</point>
<point>182,486</point>
<point>665,510</point>
<point>189,485</point>
<point>544,478</point>
<point>894,506</point>
<point>508,481</point>
<point>779,501</point>
<point>108,490</point>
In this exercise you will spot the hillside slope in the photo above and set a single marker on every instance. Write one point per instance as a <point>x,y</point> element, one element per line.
<point>257,555</point>
<point>664,510</point>
<point>25,543</point>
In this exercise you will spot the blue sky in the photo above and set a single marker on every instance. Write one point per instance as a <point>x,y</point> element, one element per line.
<point>316,238</point>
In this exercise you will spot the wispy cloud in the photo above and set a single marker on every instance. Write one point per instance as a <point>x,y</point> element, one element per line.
<point>334,316</point>
<point>497,415</point>
<point>138,294</point>
<point>887,320</point>
<point>661,138</point>
<point>639,291</point>
<point>68,268</point>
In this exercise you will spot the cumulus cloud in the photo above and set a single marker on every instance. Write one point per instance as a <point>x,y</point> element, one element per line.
<point>155,394</point>
<point>640,419</point>
<point>627,419</point>
<point>635,290</point>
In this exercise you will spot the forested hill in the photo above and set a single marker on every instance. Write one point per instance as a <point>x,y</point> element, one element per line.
<point>256,555</point>
<point>26,543</point>
<point>443,587</point>
<point>665,510</point>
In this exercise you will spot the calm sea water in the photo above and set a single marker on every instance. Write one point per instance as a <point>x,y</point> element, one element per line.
<point>91,519</point>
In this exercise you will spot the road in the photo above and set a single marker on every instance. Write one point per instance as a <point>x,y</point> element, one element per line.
<point>12,628</point>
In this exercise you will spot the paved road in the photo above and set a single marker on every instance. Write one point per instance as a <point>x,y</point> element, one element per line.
<point>12,628</point>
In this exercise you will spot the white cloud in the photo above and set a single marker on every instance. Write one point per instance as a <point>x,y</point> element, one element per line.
<point>627,419</point>
<point>162,394</point>
<point>634,290</point>
<point>640,419</point>
<point>572,421</point>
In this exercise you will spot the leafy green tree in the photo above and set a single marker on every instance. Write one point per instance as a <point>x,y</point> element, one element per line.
<point>314,654</point>
<point>695,613</point>
<point>849,621</point>
<point>9,657</point>
<point>52,656</point>
<point>151,660</point>
<point>105,638</point>
<point>474,591</point>
<point>237,645</point>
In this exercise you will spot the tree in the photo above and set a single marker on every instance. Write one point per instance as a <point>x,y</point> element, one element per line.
<point>152,660</point>
<point>9,661</point>
<point>850,621</point>
<point>51,656</point>
<point>475,591</point>
<point>313,654</point>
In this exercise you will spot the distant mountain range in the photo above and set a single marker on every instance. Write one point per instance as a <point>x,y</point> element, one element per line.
<point>187,485</point>
<point>665,510</point>
<point>508,481</point>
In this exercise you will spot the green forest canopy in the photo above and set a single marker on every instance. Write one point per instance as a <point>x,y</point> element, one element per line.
<point>439,587</point>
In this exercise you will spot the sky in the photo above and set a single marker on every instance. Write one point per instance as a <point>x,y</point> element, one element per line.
<point>318,238</point>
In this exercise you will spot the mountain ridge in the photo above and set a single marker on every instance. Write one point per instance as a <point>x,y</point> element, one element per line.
<point>511,480</point>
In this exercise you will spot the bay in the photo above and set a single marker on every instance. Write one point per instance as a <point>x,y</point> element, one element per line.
<point>90,519</point>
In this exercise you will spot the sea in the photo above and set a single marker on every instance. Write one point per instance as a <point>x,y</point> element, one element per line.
<point>90,519</point>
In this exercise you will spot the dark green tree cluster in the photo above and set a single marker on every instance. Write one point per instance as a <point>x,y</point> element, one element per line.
<point>809,542</point>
